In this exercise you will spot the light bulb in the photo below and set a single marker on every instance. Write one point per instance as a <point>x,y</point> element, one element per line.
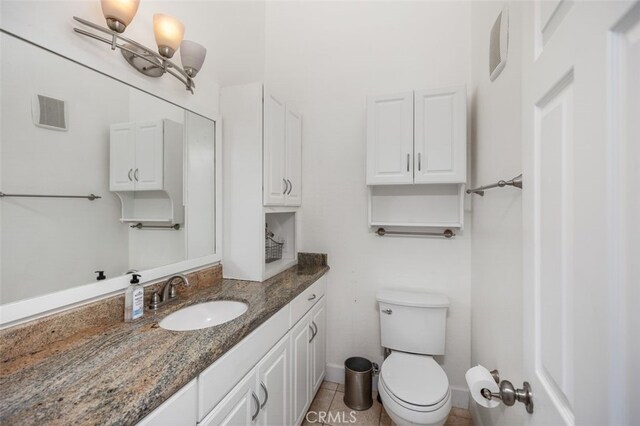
<point>119,13</point>
<point>169,32</point>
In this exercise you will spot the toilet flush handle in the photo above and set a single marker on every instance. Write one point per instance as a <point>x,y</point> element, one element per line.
<point>387,311</point>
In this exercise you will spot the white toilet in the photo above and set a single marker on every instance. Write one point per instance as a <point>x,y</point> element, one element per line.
<point>413,387</point>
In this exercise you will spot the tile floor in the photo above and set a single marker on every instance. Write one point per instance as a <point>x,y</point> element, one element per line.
<point>329,399</point>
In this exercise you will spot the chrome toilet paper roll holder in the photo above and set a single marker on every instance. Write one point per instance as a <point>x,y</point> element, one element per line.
<point>508,394</point>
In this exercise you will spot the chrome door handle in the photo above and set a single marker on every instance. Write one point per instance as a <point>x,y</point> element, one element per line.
<point>135,175</point>
<point>266,394</point>
<point>129,175</point>
<point>312,334</point>
<point>408,159</point>
<point>387,311</point>
<point>316,327</point>
<point>255,398</point>
<point>286,186</point>
<point>290,187</point>
<point>419,161</point>
<point>313,296</point>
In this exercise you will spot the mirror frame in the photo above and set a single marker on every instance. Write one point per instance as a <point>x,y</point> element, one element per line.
<point>21,311</point>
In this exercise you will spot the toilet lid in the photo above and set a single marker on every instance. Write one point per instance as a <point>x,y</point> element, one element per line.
<point>414,379</point>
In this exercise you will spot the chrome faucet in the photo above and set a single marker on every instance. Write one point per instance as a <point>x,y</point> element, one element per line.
<point>167,292</point>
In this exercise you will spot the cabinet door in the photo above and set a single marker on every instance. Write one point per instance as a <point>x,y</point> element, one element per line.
<point>293,150</point>
<point>441,135</point>
<point>238,407</point>
<point>122,154</point>
<point>390,139</point>
<point>300,369</point>
<point>318,345</point>
<point>149,171</point>
<point>274,387</point>
<point>274,184</point>
<point>180,409</point>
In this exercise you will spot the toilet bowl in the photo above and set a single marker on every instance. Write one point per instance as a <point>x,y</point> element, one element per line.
<point>414,390</point>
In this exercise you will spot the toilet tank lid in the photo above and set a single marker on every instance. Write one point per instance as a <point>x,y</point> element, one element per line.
<point>418,299</point>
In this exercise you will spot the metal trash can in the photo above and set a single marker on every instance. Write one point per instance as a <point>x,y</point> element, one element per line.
<point>358,374</point>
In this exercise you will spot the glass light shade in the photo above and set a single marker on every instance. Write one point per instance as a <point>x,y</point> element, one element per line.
<point>119,13</point>
<point>169,32</point>
<point>192,56</point>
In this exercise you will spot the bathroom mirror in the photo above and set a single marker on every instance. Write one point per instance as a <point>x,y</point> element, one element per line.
<point>96,175</point>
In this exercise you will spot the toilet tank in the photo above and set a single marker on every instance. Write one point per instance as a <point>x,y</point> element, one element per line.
<point>413,321</point>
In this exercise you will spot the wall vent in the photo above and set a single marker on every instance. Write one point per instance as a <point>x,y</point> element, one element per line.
<point>49,113</point>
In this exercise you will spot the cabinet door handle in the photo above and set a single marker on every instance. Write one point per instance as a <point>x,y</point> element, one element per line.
<point>286,186</point>
<point>135,175</point>
<point>257,401</point>
<point>408,159</point>
<point>266,394</point>
<point>129,175</point>
<point>387,311</point>
<point>312,333</point>
<point>419,161</point>
<point>316,327</point>
<point>290,187</point>
<point>313,296</point>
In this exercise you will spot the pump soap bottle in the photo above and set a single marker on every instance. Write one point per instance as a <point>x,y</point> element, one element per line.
<point>134,300</point>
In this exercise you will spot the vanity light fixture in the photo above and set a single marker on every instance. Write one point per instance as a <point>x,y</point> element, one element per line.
<point>168,33</point>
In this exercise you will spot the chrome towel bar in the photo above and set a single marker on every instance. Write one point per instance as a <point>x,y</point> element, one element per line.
<point>515,182</point>
<point>447,233</point>
<point>89,197</point>
<point>139,225</point>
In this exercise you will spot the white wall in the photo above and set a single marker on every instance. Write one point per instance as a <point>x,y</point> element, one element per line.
<point>496,244</point>
<point>232,32</point>
<point>327,57</point>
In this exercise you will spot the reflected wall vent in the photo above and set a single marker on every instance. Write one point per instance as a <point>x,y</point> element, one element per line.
<point>49,113</point>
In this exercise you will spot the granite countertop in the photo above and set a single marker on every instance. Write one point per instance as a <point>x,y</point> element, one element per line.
<point>119,373</point>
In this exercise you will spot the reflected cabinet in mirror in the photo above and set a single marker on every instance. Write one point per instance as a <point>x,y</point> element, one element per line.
<point>95,175</point>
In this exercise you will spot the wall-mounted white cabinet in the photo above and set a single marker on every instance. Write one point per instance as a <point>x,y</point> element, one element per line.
<point>417,158</point>
<point>417,137</point>
<point>146,170</point>
<point>262,179</point>
<point>282,153</point>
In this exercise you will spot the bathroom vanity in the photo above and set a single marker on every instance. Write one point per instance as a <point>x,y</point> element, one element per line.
<point>261,368</point>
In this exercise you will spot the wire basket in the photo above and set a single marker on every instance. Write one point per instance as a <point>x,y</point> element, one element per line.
<point>272,250</point>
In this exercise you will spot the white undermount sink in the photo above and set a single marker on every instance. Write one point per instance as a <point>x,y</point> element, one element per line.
<point>204,315</point>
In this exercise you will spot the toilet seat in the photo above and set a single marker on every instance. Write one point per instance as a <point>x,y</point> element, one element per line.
<point>414,389</point>
<point>415,381</point>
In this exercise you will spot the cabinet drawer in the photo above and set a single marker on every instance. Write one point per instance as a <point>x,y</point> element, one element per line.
<point>305,300</point>
<point>217,380</point>
<point>180,409</point>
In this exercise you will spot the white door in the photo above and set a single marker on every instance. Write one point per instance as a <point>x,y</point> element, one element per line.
<point>275,185</point>
<point>575,91</point>
<point>440,135</point>
<point>390,139</point>
<point>149,170</point>
<point>274,387</point>
<point>294,158</point>
<point>239,407</point>
<point>300,368</point>
<point>122,157</point>
<point>318,345</point>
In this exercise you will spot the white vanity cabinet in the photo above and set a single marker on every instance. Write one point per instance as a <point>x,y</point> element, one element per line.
<point>180,409</point>
<point>239,406</point>
<point>417,137</point>
<point>137,152</point>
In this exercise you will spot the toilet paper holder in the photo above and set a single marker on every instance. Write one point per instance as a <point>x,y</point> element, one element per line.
<point>508,394</point>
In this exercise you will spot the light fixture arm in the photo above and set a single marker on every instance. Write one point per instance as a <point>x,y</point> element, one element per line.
<point>168,66</point>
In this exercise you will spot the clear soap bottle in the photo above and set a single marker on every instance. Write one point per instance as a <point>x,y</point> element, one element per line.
<point>134,300</point>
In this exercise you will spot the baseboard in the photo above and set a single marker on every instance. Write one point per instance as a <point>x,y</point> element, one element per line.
<point>459,395</point>
<point>475,414</point>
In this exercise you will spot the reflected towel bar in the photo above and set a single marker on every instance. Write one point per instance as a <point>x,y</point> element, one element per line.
<point>89,197</point>
<point>141,226</point>
<point>515,182</point>
<point>448,233</point>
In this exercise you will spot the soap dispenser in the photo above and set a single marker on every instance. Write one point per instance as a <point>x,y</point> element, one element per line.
<point>134,300</point>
